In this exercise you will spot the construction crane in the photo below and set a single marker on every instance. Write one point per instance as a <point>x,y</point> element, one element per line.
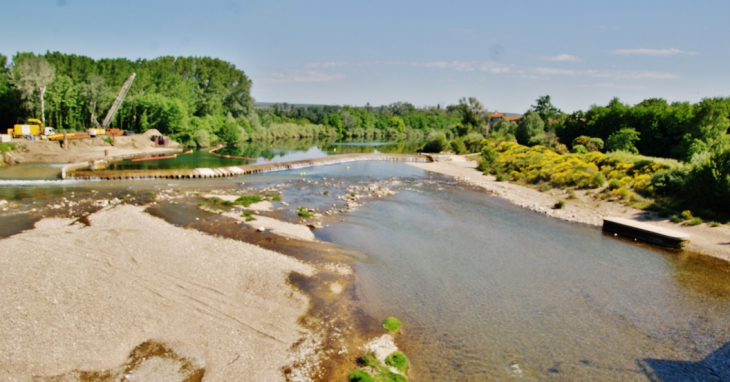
<point>117,103</point>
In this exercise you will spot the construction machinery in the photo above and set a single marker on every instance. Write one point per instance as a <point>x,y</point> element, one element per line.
<point>101,129</point>
<point>31,128</point>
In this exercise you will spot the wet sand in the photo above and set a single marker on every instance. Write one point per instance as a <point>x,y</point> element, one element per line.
<point>706,240</point>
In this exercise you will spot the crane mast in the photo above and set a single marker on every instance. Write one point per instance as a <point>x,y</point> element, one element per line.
<point>118,102</point>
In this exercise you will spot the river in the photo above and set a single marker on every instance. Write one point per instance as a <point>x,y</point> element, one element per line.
<point>490,291</point>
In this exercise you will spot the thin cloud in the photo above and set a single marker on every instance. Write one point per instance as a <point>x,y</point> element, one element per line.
<point>302,76</point>
<point>331,64</point>
<point>651,52</point>
<point>607,74</point>
<point>461,66</point>
<point>562,58</point>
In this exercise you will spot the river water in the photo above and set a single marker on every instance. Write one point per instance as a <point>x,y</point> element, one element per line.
<point>489,291</point>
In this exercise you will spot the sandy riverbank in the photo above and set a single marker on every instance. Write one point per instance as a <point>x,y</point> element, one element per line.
<point>584,208</point>
<point>136,297</point>
<point>84,150</point>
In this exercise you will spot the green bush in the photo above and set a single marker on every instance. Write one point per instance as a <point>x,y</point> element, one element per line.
<point>391,324</point>
<point>436,143</point>
<point>693,221</point>
<point>458,146</point>
<point>360,376</point>
<point>579,149</point>
<point>397,360</point>
<point>613,184</point>
<point>489,155</point>
<point>559,205</point>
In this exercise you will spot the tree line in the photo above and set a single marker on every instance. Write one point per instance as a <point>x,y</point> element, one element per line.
<point>176,95</point>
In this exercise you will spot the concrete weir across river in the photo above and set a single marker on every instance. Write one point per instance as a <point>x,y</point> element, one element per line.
<point>75,171</point>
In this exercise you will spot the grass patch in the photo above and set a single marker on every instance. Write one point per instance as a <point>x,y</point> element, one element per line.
<point>248,216</point>
<point>274,197</point>
<point>391,324</point>
<point>545,187</point>
<point>397,360</point>
<point>247,200</point>
<point>108,140</point>
<point>360,375</point>
<point>693,222</point>
<point>559,205</point>
<point>713,224</point>
<point>5,147</point>
<point>304,213</point>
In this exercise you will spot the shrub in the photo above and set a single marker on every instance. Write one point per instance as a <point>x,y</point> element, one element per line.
<point>397,360</point>
<point>436,143</point>
<point>613,184</point>
<point>360,376</point>
<point>391,324</point>
<point>693,221</point>
<point>713,224</point>
<point>559,205</point>
<point>675,219</point>
<point>686,215</point>
<point>458,146</point>
<point>202,138</point>
<point>489,155</point>
<point>579,149</point>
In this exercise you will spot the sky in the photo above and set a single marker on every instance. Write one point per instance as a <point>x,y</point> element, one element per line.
<point>341,52</point>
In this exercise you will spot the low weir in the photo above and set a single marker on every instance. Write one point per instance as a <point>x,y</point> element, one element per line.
<point>221,172</point>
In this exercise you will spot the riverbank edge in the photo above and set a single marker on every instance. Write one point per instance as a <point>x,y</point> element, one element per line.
<point>583,208</point>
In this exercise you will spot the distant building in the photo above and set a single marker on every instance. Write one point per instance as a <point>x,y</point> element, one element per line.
<point>496,116</point>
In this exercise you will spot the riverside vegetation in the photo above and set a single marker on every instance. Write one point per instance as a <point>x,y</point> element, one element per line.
<point>650,154</point>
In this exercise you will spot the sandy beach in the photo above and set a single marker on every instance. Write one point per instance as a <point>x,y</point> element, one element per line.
<point>131,297</point>
<point>706,240</point>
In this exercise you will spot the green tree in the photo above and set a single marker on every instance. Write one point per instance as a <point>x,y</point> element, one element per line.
<point>504,126</point>
<point>624,140</point>
<point>530,126</point>
<point>31,76</point>
<point>545,109</point>
<point>473,116</point>
<point>396,123</point>
<point>230,133</point>
<point>97,96</point>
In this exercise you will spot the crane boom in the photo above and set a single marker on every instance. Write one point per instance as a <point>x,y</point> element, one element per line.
<point>118,102</point>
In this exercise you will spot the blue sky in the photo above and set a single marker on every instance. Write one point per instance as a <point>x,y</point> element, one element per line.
<point>505,53</point>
